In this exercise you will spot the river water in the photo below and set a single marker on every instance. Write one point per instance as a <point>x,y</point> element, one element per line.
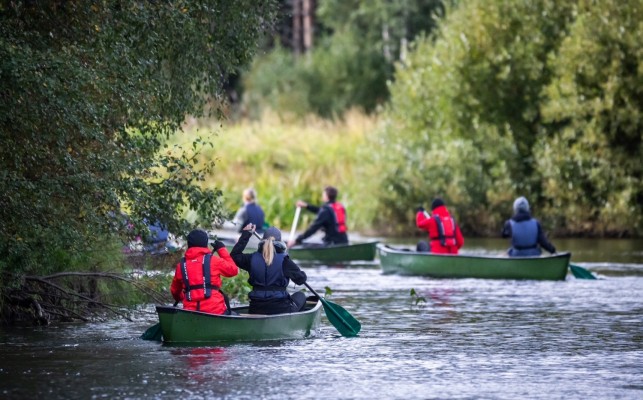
<point>470,339</point>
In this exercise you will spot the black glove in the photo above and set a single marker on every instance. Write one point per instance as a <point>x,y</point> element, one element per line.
<point>419,209</point>
<point>217,245</point>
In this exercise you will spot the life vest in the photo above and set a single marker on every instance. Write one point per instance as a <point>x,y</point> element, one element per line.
<point>197,286</point>
<point>254,215</point>
<point>268,282</point>
<point>524,234</point>
<point>340,216</point>
<point>446,230</point>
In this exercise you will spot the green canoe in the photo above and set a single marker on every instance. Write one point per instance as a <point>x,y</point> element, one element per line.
<point>404,262</point>
<point>183,326</point>
<point>335,254</point>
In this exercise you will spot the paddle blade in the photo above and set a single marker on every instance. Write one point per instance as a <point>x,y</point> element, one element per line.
<point>153,333</point>
<point>580,272</point>
<point>341,319</point>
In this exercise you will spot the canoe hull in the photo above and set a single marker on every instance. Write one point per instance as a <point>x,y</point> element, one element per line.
<point>184,327</point>
<point>400,262</point>
<point>335,254</point>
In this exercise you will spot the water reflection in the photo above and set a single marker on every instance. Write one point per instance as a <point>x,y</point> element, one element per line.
<point>200,362</point>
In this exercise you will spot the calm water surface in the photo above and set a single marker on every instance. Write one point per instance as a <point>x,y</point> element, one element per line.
<point>471,338</point>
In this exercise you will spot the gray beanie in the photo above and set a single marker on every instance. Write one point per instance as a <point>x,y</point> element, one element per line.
<point>274,232</point>
<point>521,204</point>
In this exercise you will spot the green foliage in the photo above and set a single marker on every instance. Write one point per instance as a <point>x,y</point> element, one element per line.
<point>519,98</point>
<point>278,82</point>
<point>89,92</point>
<point>384,26</point>
<point>416,298</point>
<point>237,287</point>
<point>460,112</point>
<point>338,75</point>
<point>349,65</point>
<point>591,162</point>
<point>345,74</point>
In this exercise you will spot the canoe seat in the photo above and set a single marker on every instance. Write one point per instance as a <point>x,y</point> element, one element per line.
<point>253,315</point>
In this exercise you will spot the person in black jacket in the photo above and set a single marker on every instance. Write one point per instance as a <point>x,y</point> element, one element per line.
<point>526,234</point>
<point>270,271</point>
<point>331,218</point>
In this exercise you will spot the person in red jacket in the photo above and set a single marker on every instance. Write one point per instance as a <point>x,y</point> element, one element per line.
<point>197,278</point>
<point>444,234</point>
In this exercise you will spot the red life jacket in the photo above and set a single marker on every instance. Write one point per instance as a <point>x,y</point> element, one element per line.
<point>446,230</point>
<point>340,216</point>
<point>198,282</point>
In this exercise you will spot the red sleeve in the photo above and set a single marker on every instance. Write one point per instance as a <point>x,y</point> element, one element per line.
<point>459,239</point>
<point>422,221</point>
<point>177,285</point>
<point>225,263</point>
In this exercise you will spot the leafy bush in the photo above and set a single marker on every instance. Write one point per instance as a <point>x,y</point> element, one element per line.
<point>591,161</point>
<point>338,75</point>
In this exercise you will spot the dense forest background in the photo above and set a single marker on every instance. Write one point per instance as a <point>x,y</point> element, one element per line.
<point>115,115</point>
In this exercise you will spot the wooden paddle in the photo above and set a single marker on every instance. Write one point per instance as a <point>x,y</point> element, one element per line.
<point>341,319</point>
<point>580,272</point>
<point>294,224</point>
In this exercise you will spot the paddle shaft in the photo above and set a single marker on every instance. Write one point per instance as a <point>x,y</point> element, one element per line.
<point>346,324</point>
<point>312,290</point>
<point>294,224</point>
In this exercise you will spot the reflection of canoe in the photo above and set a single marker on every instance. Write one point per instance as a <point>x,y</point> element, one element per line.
<point>340,253</point>
<point>464,266</point>
<point>183,326</point>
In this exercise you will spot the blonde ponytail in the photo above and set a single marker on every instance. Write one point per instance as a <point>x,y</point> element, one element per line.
<point>269,250</point>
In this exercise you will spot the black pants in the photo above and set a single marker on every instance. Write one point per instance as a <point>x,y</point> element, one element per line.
<point>295,303</point>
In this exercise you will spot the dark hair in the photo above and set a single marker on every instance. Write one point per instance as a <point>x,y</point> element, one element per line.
<point>437,202</point>
<point>331,192</point>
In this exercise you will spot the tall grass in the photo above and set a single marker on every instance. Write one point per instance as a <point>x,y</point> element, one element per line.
<point>286,160</point>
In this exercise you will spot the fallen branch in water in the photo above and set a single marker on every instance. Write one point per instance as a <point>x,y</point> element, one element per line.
<point>152,293</point>
<point>70,296</point>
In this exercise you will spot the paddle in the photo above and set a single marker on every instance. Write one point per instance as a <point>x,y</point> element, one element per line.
<point>154,332</point>
<point>580,272</point>
<point>294,224</point>
<point>341,319</point>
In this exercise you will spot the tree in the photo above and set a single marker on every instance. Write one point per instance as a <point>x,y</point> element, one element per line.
<point>538,98</point>
<point>89,91</point>
<point>464,113</point>
<point>591,159</point>
<point>356,46</point>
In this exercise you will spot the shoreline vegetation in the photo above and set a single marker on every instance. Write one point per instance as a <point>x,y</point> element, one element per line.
<point>287,158</point>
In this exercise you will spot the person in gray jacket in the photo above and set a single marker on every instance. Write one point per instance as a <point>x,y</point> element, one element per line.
<point>527,236</point>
